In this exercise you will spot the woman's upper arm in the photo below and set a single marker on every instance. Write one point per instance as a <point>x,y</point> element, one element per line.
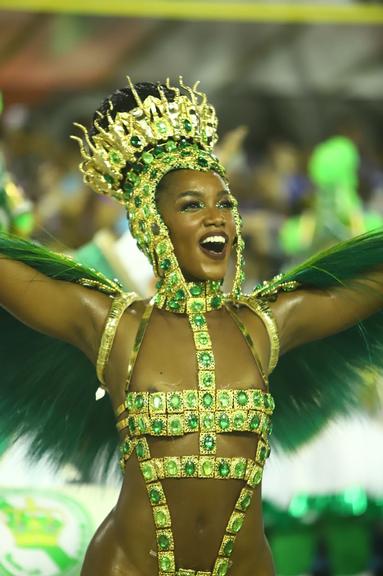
<point>60,309</point>
<point>306,315</point>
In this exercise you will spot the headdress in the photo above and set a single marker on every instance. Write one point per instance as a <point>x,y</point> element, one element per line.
<point>127,159</point>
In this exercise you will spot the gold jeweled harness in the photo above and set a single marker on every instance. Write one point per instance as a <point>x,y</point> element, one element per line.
<point>207,411</point>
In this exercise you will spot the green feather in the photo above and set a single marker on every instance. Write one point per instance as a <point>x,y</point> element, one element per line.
<point>47,391</point>
<point>323,380</point>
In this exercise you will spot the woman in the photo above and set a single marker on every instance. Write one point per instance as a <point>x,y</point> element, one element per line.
<point>187,373</point>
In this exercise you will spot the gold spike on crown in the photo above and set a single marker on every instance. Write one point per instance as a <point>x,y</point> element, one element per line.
<point>131,136</point>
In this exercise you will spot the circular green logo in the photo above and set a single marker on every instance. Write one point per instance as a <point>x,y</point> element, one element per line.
<point>42,533</point>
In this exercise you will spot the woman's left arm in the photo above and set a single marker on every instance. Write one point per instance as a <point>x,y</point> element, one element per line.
<point>308,314</point>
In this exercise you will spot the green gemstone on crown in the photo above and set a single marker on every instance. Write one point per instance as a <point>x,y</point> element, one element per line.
<point>109,179</point>
<point>133,177</point>
<point>128,188</point>
<point>188,125</point>
<point>163,542</point>
<point>202,161</point>
<point>115,157</point>
<point>146,189</point>
<point>135,141</point>
<point>170,146</point>
<point>161,248</point>
<point>147,158</point>
<point>174,305</point>
<point>161,127</point>
<point>165,264</point>
<point>158,151</point>
<point>196,290</point>
<point>137,201</point>
<point>189,468</point>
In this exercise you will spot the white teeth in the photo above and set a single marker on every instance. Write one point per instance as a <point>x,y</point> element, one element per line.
<point>220,239</point>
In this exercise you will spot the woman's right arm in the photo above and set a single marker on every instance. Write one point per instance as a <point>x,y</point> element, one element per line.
<point>64,310</point>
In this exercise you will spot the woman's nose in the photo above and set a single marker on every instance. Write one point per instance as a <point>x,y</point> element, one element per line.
<point>214,217</point>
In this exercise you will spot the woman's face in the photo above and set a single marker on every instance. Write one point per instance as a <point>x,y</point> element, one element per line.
<point>197,210</point>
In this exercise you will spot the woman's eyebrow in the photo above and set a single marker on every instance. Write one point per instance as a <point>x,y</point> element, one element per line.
<point>201,194</point>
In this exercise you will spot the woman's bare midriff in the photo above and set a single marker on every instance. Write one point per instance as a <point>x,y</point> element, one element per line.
<point>125,543</point>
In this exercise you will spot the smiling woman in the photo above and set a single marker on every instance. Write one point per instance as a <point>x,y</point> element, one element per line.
<point>197,209</point>
<point>188,371</point>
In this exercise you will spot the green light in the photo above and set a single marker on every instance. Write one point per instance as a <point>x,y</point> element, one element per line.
<point>299,505</point>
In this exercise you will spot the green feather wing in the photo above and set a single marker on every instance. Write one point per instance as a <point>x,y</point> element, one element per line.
<point>47,390</point>
<point>325,379</point>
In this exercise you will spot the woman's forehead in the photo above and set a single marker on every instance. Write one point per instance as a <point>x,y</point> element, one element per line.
<point>179,181</point>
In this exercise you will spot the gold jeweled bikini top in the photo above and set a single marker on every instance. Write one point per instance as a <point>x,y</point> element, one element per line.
<point>206,411</point>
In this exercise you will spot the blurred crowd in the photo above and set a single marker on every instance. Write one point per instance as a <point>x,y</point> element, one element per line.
<point>293,200</point>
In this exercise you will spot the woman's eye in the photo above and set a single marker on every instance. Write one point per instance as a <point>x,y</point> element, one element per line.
<point>229,204</point>
<point>192,205</point>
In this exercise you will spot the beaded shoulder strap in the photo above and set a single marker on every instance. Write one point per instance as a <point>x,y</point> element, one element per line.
<point>249,342</point>
<point>133,357</point>
<point>262,309</point>
<point>119,304</point>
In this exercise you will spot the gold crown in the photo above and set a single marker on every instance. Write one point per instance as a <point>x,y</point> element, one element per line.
<point>32,525</point>
<point>134,135</point>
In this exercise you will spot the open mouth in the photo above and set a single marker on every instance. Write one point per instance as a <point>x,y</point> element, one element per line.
<point>214,245</point>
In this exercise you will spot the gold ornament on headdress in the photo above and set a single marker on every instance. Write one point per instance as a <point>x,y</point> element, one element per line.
<point>127,159</point>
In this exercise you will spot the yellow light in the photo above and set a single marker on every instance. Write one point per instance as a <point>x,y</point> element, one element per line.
<point>288,12</point>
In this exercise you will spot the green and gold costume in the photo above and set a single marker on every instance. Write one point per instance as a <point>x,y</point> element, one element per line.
<point>309,385</point>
